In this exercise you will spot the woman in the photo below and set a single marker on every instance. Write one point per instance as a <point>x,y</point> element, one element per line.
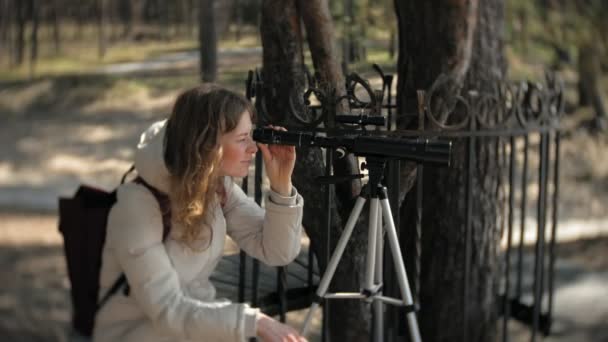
<point>192,158</point>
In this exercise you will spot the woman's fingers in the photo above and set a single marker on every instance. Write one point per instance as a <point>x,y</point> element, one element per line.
<point>270,330</point>
<point>279,161</point>
<point>265,151</point>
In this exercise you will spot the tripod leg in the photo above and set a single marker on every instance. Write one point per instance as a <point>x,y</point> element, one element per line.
<point>333,262</point>
<point>378,305</point>
<point>370,265</point>
<point>404,285</point>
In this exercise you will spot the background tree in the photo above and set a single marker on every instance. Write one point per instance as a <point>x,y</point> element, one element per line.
<point>592,49</point>
<point>5,26</point>
<point>56,22</point>
<point>136,18</point>
<point>574,32</point>
<point>21,20</point>
<point>35,18</point>
<point>102,6</point>
<point>208,41</point>
<point>463,40</point>
<point>284,84</point>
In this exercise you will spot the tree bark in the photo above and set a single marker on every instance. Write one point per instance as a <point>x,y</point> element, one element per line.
<point>165,20</point>
<point>284,82</point>
<point>351,44</point>
<point>101,28</point>
<point>320,32</point>
<point>181,12</point>
<point>21,20</point>
<point>238,18</point>
<point>81,10</point>
<point>5,36</point>
<point>208,41</point>
<point>35,11</point>
<point>56,27</point>
<point>190,17</point>
<point>421,59</point>
<point>589,85</point>
<point>137,18</point>
<point>464,40</point>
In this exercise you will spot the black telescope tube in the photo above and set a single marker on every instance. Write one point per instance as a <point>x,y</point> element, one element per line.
<point>418,150</point>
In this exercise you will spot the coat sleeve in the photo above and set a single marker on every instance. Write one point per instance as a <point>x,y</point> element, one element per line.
<point>135,232</point>
<point>273,235</point>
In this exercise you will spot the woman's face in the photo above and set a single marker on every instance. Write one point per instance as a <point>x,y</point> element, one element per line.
<point>238,148</point>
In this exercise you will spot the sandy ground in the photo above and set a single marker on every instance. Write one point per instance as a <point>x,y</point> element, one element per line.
<point>46,155</point>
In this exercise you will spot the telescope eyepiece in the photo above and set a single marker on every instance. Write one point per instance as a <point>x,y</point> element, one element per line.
<point>274,137</point>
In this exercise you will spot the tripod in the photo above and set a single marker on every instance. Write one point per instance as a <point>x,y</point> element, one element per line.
<point>379,209</point>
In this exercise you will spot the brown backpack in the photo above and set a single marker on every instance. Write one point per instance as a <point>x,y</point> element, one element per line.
<point>82,222</point>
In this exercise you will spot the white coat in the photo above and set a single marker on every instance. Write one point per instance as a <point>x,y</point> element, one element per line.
<point>171,297</point>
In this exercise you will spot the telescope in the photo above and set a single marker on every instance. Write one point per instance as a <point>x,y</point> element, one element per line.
<point>413,149</point>
<point>376,150</point>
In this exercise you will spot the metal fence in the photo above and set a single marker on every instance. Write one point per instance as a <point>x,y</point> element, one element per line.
<point>524,118</point>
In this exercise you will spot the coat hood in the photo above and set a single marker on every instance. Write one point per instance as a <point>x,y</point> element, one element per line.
<point>149,157</point>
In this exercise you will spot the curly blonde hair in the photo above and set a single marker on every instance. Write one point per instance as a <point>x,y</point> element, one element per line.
<point>200,116</point>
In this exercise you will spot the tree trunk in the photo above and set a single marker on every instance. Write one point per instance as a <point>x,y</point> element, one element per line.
<point>180,17</point>
<point>465,41</point>
<point>238,18</point>
<point>320,32</point>
<point>5,30</point>
<point>589,85</point>
<point>522,17</point>
<point>137,18</point>
<point>21,19</point>
<point>392,43</point>
<point>165,20</point>
<point>101,28</point>
<point>350,45</point>
<point>283,76</point>
<point>35,10</point>
<point>56,27</point>
<point>80,19</point>
<point>208,41</point>
<point>190,15</point>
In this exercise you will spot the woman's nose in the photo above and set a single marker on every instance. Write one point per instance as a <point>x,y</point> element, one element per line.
<point>253,147</point>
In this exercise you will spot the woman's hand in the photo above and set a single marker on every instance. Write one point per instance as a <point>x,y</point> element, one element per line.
<point>279,161</point>
<point>270,330</point>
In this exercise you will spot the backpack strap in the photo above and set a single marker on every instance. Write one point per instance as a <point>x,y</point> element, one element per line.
<point>165,209</point>
<point>124,177</point>
<point>163,203</point>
